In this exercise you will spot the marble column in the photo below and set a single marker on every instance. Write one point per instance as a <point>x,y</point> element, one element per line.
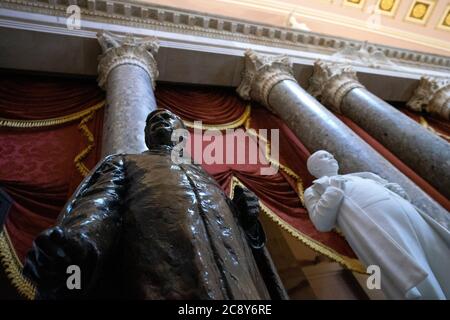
<point>127,70</point>
<point>429,155</point>
<point>432,96</point>
<point>269,80</point>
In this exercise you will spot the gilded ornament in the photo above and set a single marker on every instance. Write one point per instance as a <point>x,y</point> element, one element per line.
<point>419,10</point>
<point>387,5</point>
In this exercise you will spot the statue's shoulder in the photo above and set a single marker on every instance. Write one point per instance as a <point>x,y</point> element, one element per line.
<point>114,159</point>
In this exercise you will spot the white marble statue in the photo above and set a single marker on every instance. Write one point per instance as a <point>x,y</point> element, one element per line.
<point>383,228</point>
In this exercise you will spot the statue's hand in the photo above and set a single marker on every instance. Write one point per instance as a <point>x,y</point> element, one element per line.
<point>247,204</point>
<point>52,252</point>
<point>337,182</point>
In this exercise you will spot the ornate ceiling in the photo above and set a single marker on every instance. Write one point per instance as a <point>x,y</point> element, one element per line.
<point>421,25</point>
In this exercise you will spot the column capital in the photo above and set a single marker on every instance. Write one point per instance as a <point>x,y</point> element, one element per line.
<point>330,83</point>
<point>118,50</point>
<point>261,73</point>
<point>433,96</point>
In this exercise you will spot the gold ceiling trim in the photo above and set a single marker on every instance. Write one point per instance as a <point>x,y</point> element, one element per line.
<point>332,18</point>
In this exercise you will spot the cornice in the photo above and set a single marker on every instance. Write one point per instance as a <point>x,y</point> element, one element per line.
<point>331,18</point>
<point>167,19</point>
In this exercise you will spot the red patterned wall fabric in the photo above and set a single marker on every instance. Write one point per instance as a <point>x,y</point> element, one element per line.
<point>38,168</point>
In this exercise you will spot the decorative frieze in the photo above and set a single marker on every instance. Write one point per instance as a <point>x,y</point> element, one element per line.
<point>331,82</point>
<point>432,96</point>
<point>141,14</point>
<point>261,73</point>
<point>118,50</point>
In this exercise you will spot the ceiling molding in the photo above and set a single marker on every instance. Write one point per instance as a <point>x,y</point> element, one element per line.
<point>159,18</point>
<point>332,18</point>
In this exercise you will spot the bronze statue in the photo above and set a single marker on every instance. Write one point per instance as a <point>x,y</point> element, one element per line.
<point>142,227</point>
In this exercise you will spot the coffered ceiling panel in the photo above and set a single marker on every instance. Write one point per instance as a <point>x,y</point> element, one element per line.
<point>387,7</point>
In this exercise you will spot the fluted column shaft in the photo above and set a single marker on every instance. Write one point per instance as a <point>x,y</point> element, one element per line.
<point>127,71</point>
<point>270,81</point>
<point>419,148</point>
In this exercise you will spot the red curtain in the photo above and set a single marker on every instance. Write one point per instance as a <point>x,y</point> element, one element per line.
<point>279,192</point>
<point>212,106</point>
<point>37,164</point>
<point>40,97</point>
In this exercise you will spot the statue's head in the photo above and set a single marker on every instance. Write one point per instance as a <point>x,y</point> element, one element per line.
<point>160,125</point>
<point>322,163</point>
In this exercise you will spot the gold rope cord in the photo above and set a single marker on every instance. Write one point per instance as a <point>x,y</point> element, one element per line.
<point>230,125</point>
<point>424,123</point>
<point>13,267</point>
<point>8,256</point>
<point>84,171</point>
<point>13,123</point>
<point>350,263</point>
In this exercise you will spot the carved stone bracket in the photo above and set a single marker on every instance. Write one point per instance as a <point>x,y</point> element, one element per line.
<point>261,73</point>
<point>433,96</point>
<point>119,50</point>
<point>350,54</point>
<point>331,82</point>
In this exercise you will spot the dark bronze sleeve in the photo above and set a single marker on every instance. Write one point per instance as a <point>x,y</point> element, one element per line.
<point>247,205</point>
<point>85,234</point>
